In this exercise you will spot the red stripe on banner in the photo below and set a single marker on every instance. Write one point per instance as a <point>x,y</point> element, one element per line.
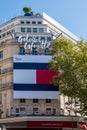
<point>44,76</point>
<point>51,124</point>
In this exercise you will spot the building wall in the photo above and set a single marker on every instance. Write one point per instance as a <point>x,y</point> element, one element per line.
<point>9,33</point>
<point>9,104</point>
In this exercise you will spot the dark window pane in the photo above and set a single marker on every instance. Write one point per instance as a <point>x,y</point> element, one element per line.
<point>34,51</point>
<point>28,29</point>
<point>22,100</point>
<point>39,22</point>
<point>33,22</point>
<point>48,100</point>
<point>22,29</point>
<point>22,22</point>
<point>47,52</point>
<point>22,51</point>
<point>35,100</point>
<point>34,30</point>
<point>1,54</point>
<point>3,35</point>
<point>27,22</point>
<point>49,39</point>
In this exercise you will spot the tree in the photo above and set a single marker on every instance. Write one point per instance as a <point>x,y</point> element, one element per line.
<point>26,9</point>
<point>70,59</point>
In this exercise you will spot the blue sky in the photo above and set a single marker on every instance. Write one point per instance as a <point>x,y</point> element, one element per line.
<point>72,14</point>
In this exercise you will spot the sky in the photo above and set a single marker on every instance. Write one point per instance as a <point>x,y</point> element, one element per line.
<point>72,14</point>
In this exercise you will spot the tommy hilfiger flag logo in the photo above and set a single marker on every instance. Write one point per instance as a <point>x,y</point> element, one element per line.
<point>32,77</point>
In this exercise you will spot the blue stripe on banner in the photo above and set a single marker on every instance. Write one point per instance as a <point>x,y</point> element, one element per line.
<point>42,66</point>
<point>35,87</point>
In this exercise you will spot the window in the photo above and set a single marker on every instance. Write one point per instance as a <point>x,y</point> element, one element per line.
<point>28,29</point>
<point>1,54</point>
<point>41,30</point>
<point>37,38</point>
<point>33,22</point>
<point>47,51</point>
<point>54,111</point>
<point>34,30</point>
<point>43,39</point>
<point>48,111</point>
<point>22,51</point>
<point>27,22</point>
<point>35,110</point>
<point>22,109</point>
<point>17,110</point>
<point>22,29</point>
<point>22,100</point>
<point>48,100</point>
<point>34,51</point>
<point>8,32</point>
<point>35,100</point>
<point>4,35</point>
<point>16,37</point>
<point>48,39</point>
<point>22,22</point>
<point>39,22</point>
<point>0,36</point>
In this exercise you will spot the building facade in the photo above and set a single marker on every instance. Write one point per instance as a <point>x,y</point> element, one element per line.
<point>27,35</point>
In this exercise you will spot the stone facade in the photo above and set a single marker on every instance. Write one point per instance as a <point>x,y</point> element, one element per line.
<point>37,27</point>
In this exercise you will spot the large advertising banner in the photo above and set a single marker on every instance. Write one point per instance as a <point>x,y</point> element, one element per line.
<point>32,77</point>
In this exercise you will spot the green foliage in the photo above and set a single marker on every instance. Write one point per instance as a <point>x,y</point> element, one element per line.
<point>70,59</point>
<point>26,9</point>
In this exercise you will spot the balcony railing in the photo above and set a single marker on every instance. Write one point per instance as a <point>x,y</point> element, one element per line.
<point>28,113</point>
<point>21,113</point>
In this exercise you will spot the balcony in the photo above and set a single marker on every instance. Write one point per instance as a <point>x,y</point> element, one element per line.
<point>6,85</point>
<point>20,113</point>
<point>31,113</point>
<point>6,70</point>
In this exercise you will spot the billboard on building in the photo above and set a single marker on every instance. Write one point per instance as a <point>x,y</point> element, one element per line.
<point>32,77</point>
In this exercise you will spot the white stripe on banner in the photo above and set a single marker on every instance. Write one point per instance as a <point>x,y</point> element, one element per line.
<point>25,76</point>
<point>31,59</point>
<point>37,94</point>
